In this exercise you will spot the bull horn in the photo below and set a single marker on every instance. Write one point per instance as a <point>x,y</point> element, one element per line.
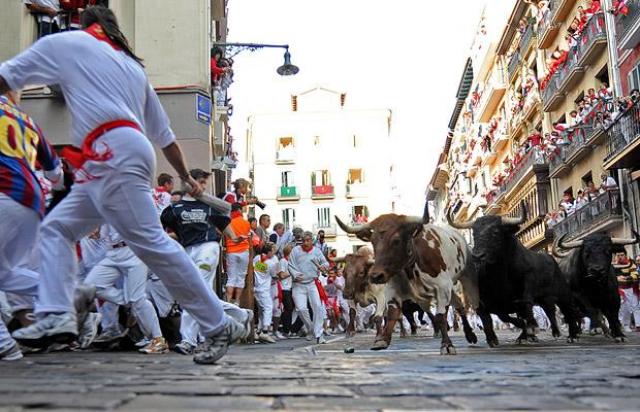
<point>340,259</point>
<point>569,245</point>
<point>351,229</point>
<point>516,220</point>
<point>555,249</point>
<point>625,241</point>
<point>463,225</point>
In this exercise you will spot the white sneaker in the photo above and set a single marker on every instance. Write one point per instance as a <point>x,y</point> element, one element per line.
<point>11,352</point>
<point>280,335</point>
<point>50,329</point>
<point>215,347</point>
<point>309,338</point>
<point>321,340</point>
<point>89,330</point>
<point>264,337</point>
<point>143,342</point>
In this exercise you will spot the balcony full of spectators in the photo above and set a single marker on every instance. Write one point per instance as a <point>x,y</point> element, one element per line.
<point>627,14</point>
<point>623,134</point>
<point>591,213</point>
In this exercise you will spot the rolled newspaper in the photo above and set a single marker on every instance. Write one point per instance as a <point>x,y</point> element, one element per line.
<point>210,200</point>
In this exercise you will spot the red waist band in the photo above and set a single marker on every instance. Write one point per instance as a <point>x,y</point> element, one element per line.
<point>77,157</point>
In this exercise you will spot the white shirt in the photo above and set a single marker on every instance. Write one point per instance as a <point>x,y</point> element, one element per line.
<point>100,84</point>
<point>52,4</point>
<point>161,200</point>
<point>286,283</point>
<point>93,250</point>
<point>262,274</point>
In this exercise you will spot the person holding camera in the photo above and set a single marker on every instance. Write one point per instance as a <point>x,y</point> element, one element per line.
<point>239,194</point>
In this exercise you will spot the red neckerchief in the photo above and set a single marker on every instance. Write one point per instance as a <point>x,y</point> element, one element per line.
<point>264,258</point>
<point>235,214</point>
<point>97,31</point>
<point>305,249</point>
<point>161,189</point>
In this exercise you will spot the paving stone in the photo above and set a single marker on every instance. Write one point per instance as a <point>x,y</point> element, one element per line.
<point>198,388</point>
<point>97,400</point>
<point>362,404</point>
<point>292,390</point>
<point>614,403</point>
<point>511,402</point>
<point>153,403</point>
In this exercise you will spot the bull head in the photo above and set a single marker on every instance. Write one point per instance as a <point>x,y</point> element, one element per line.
<point>506,220</point>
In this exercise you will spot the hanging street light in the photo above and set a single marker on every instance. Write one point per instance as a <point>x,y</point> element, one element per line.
<point>287,68</point>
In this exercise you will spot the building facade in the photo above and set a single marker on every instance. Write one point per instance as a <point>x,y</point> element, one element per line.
<point>319,160</point>
<point>175,44</point>
<point>532,125</point>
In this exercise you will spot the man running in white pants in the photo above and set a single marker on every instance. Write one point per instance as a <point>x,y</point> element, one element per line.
<point>115,114</point>
<point>120,262</point>
<point>305,263</point>
<point>198,228</point>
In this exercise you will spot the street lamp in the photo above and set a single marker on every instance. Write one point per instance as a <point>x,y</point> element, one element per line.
<point>287,68</point>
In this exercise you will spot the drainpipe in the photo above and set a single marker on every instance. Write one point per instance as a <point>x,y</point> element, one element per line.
<point>614,59</point>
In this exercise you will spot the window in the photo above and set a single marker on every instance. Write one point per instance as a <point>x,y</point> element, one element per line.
<point>320,178</point>
<point>634,78</point>
<point>359,214</point>
<point>285,143</point>
<point>355,176</point>
<point>324,217</point>
<point>316,141</point>
<point>579,98</point>
<point>288,218</point>
<point>287,179</point>
<point>603,75</point>
<point>586,179</point>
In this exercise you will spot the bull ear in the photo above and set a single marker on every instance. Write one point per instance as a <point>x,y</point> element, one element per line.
<point>364,235</point>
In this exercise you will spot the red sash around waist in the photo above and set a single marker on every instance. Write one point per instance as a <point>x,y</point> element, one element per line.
<point>77,157</point>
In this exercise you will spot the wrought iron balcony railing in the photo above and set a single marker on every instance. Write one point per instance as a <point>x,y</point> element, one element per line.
<point>623,132</point>
<point>595,214</point>
<point>624,24</point>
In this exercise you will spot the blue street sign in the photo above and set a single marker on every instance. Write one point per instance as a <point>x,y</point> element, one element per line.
<point>203,109</point>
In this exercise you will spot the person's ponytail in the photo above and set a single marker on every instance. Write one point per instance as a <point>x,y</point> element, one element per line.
<point>107,20</point>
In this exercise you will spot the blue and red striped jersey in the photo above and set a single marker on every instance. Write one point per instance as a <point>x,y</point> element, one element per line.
<point>21,146</point>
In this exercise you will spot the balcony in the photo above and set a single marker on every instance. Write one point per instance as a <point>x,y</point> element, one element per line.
<point>357,190</point>
<point>287,193</point>
<point>546,31</point>
<point>442,176</point>
<point>628,27</point>
<point>500,142</point>
<point>551,99</point>
<point>494,89</point>
<point>526,40</point>
<point>533,232</point>
<point>330,230</point>
<point>532,162</point>
<point>593,41</point>
<point>285,156</point>
<point>560,9</point>
<point>601,214</point>
<point>623,141</point>
<point>584,139</point>
<point>571,73</point>
<point>514,65</point>
<point>322,192</point>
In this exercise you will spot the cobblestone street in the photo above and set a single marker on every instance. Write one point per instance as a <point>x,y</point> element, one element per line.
<point>291,375</point>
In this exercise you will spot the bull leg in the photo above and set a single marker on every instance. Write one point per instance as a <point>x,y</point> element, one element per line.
<point>550,310</point>
<point>518,323</point>
<point>393,314</point>
<point>407,311</point>
<point>614,325</point>
<point>446,347</point>
<point>459,307</point>
<point>571,317</point>
<point>436,327</point>
<point>379,326</point>
<point>351,328</point>
<point>487,326</point>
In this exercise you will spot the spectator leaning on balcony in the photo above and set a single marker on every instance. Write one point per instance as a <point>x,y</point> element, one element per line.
<point>608,183</point>
<point>47,15</point>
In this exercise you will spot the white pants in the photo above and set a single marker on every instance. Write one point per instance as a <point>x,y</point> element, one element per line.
<point>629,307</point>
<point>237,265</point>
<point>122,263</point>
<point>119,193</point>
<point>159,295</point>
<point>206,257</point>
<point>308,292</point>
<point>18,234</point>
<point>265,305</point>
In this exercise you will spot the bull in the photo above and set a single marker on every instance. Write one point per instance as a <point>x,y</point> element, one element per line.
<point>511,278</point>
<point>416,261</point>
<point>587,266</point>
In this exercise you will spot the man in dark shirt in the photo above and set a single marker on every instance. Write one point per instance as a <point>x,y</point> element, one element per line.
<point>197,227</point>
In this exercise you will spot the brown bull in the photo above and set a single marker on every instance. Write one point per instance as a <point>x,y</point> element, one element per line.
<point>420,262</point>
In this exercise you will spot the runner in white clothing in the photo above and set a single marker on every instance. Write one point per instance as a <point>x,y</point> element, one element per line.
<point>115,112</point>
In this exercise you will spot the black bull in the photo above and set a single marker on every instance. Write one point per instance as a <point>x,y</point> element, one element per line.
<point>586,264</point>
<point>511,278</point>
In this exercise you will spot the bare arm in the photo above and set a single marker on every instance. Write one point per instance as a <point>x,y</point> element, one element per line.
<point>175,157</point>
<point>35,8</point>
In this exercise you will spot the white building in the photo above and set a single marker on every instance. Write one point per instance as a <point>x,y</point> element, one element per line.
<point>319,160</point>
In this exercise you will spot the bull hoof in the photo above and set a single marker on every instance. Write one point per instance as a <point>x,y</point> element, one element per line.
<point>448,349</point>
<point>380,345</point>
<point>493,343</point>
<point>471,337</point>
<point>619,339</point>
<point>532,338</point>
<point>572,339</point>
<point>403,334</point>
<point>556,334</point>
<point>350,334</point>
<point>596,331</point>
<point>436,334</point>
<point>414,333</point>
